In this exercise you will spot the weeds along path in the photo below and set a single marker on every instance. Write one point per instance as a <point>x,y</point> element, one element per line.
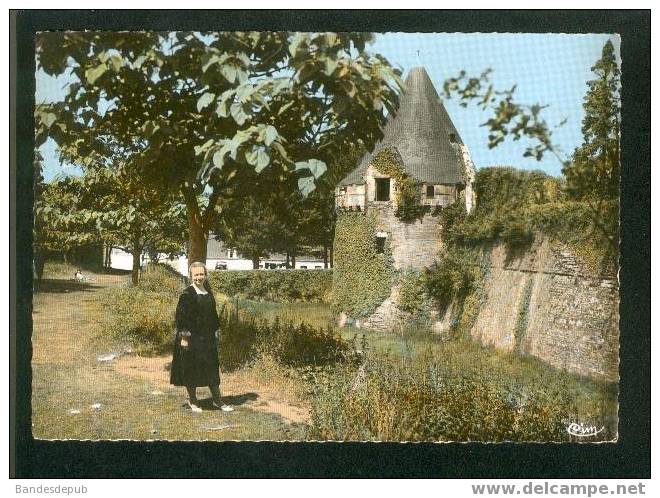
<point>76,396</point>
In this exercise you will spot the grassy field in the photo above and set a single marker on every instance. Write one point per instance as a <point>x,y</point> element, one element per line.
<point>315,314</point>
<point>79,397</point>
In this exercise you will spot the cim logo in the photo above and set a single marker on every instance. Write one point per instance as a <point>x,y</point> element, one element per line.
<point>580,430</point>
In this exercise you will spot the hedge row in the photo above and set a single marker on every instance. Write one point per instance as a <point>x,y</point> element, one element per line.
<point>275,285</point>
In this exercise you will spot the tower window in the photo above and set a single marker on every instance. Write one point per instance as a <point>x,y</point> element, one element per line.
<point>430,191</point>
<point>382,189</point>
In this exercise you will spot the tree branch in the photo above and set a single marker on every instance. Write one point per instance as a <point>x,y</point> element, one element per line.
<point>207,217</point>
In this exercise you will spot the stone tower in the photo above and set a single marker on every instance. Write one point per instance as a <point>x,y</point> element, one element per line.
<point>429,151</point>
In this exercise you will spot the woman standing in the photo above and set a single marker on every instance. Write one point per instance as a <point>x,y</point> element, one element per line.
<point>195,360</point>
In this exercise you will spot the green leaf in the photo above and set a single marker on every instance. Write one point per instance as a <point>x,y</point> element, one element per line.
<point>238,113</point>
<point>316,167</point>
<point>244,93</point>
<point>306,185</point>
<point>251,156</point>
<point>218,159</point>
<point>214,59</point>
<point>331,39</point>
<point>241,76</point>
<point>223,103</point>
<point>205,100</point>
<point>285,107</point>
<point>47,118</point>
<point>243,57</point>
<point>229,72</point>
<point>271,135</point>
<point>116,62</point>
<point>203,148</point>
<point>263,160</point>
<point>93,74</point>
<point>278,146</point>
<point>330,66</point>
<point>232,147</point>
<point>296,41</point>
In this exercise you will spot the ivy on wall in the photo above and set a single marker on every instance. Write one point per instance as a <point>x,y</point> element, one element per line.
<point>362,278</point>
<point>515,206</point>
<point>459,279</point>
<point>408,190</point>
<point>413,294</point>
<point>523,315</point>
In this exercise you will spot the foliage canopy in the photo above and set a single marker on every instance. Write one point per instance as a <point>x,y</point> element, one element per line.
<point>191,111</point>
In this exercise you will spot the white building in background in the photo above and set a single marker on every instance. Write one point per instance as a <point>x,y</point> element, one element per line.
<point>122,260</point>
<point>218,257</point>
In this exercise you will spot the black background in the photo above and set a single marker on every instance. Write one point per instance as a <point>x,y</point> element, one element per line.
<point>628,458</point>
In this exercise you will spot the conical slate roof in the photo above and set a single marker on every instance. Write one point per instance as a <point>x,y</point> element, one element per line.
<point>421,133</point>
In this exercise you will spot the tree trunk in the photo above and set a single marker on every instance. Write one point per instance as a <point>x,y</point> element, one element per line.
<point>325,255</point>
<point>153,257</point>
<point>332,257</point>
<point>293,260</point>
<point>108,256</point>
<point>197,228</point>
<point>38,261</point>
<point>199,237</point>
<point>255,263</point>
<point>135,272</point>
<point>288,261</point>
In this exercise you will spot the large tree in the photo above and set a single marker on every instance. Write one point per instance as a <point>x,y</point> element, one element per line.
<point>594,169</point>
<point>62,217</point>
<point>191,110</point>
<point>134,218</point>
<point>256,219</point>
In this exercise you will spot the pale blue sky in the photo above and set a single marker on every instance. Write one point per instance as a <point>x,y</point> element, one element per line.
<point>550,69</point>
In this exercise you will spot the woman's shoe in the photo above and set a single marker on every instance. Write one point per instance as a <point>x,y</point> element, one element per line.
<point>194,407</point>
<point>224,408</point>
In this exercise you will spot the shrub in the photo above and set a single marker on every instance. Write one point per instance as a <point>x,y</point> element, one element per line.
<point>416,400</point>
<point>459,273</point>
<point>516,233</point>
<point>514,206</point>
<point>244,338</point>
<point>275,285</point>
<point>143,318</point>
<point>413,295</point>
<point>239,338</point>
<point>159,278</point>
<point>299,345</point>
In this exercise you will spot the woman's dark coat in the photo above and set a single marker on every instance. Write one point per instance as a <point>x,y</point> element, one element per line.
<point>196,365</point>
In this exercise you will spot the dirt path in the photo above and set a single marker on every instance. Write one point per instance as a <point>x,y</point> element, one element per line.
<point>76,396</point>
<point>236,387</point>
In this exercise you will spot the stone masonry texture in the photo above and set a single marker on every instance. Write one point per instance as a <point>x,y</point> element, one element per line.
<point>572,318</point>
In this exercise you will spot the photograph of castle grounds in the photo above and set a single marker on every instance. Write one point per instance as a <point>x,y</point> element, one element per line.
<point>296,236</point>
